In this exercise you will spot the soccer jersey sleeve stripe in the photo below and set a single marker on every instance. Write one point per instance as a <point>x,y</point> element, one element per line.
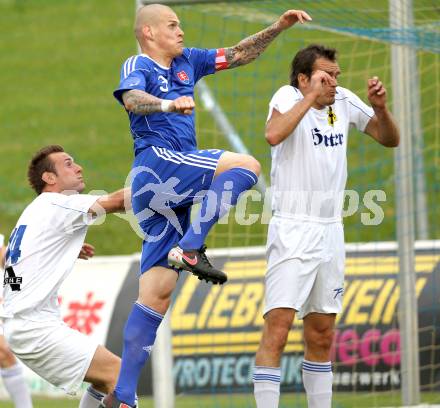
<point>130,66</point>
<point>358,107</point>
<point>133,65</point>
<point>125,67</point>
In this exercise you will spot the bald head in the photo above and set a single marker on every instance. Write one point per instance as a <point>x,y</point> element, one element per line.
<point>158,32</point>
<point>150,15</point>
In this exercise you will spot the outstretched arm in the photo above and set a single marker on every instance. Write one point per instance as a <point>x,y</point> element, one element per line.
<point>251,47</point>
<point>381,126</point>
<point>281,125</point>
<point>143,103</point>
<point>117,201</point>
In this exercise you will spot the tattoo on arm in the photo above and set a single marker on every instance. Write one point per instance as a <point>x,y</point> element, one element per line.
<point>140,102</point>
<point>251,47</point>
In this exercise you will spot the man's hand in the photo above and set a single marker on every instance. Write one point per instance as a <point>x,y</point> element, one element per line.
<point>318,80</point>
<point>183,104</point>
<point>382,126</point>
<point>87,251</point>
<point>377,94</point>
<point>291,17</point>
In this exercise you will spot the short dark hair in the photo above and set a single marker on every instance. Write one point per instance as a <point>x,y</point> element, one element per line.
<point>41,163</point>
<point>304,60</point>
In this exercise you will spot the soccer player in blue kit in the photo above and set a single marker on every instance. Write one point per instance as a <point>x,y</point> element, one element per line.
<point>170,174</point>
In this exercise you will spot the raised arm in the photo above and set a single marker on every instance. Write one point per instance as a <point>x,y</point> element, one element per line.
<point>281,125</point>
<point>251,47</point>
<point>142,103</point>
<point>382,126</point>
<point>118,201</point>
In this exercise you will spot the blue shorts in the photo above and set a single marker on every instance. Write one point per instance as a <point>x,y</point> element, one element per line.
<point>165,184</point>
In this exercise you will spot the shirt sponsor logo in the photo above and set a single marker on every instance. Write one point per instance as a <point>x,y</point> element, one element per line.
<point>331,140</point>
<point>183,76</point>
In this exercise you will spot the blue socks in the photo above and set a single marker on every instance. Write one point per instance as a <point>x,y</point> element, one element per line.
<point>222,195</point>
<point>139,336</point>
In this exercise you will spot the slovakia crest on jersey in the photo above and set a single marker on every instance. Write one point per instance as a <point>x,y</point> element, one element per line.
<point>183,76</point>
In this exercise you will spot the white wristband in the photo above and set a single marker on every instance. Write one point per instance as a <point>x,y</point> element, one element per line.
<point>165,105</point>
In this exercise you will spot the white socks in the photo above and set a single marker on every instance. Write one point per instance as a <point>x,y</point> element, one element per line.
<point>317,379</point>
<point>91,398</point>
<point>267,386</point>
<point>15,383</point>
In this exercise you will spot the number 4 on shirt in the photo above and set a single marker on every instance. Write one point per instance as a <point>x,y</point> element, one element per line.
<point>14,251</point>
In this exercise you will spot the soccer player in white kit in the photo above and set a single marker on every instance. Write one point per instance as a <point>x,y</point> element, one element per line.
<point>10,370</point>
<point>307,127</point>
<point>42,250</point>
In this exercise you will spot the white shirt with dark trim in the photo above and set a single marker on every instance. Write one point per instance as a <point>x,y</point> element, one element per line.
<point>52,230</point>
<point>309,168</point>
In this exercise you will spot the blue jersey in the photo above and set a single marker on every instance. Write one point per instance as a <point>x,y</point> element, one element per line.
<point>169,130</point>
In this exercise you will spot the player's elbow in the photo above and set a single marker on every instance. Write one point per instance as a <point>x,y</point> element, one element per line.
<point>129,101</point>
<point>129,105</point>
<point>392,144</point>
<point>391,141</point>
<point>273,138</point>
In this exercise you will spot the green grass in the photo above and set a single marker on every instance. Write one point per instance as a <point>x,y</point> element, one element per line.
<point>60,63</point>
<point>340,400</point>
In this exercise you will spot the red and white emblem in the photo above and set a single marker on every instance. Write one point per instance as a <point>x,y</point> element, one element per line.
<point>183,76</point>
<point>220,60</point>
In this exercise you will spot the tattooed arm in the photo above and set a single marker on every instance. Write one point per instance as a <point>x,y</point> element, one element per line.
<point>142,103</point>
<point>251,47</point>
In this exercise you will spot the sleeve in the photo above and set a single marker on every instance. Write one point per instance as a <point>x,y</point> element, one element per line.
<point>359,112</point>
<point>203,62</point>
<point>284,99</point>
<point>71,211</point>
<point>132,76</point>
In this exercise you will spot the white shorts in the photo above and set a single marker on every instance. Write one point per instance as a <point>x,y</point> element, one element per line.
<point>305,266</point>
<point>51,349</point>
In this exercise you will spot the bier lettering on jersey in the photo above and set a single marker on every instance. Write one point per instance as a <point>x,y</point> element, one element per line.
<point>41,252</point>
<point>169,130</point>
<point>309,168</point>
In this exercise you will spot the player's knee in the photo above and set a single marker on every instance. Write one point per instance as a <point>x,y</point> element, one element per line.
<point>5,353</point>
<point>252,164</point>
<point>276,339</point>
<point>280,337</point>
<point>319,338</point>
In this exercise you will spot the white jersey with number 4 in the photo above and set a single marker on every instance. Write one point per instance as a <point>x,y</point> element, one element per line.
<point>309,168</point>
<point>41,253</point>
